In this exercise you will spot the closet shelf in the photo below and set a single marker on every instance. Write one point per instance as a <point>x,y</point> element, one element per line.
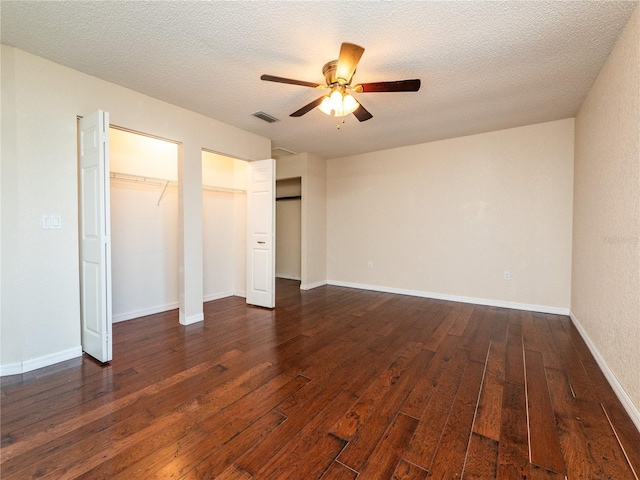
<point>141,179</point>
<point>173,183</point>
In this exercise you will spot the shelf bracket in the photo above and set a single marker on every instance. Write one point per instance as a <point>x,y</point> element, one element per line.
<point>163,190</point>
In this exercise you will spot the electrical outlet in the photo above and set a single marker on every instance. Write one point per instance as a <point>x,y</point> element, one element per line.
<point>507,275</point>
<point>370,264</point>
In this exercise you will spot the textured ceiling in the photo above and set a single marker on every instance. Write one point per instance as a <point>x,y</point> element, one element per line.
<point>484,65</point>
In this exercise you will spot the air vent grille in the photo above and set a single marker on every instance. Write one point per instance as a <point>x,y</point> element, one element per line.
<point>265,116</point>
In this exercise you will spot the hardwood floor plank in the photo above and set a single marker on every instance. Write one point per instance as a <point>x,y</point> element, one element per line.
<point>233,472</point>
<point>541,473</point>
<point>588,443</point>
<point>513,449</point>
<point>348,425</point>
<point>301,408</point>
<point>422,448</point>
<point>420,395</point>
<point>311,450</point>
<point>514,364</point>
<point>452,448</point>
<point>372,427</point>
<point>544,444</point>
<point>315,462</point>
<point>409,471</point>
<point>388,452</point>
<point>501,322</point>
<point>49,457</point>
<point>213,432</point>
<point>234,446</point>
<point>338,471</point>
<point>440,333</point>
<point>488,416</point>
<point>482,458</point>
<point>76,421</point>
<point>263,389</point>
<point>462,319</point>
<point>581,385</point>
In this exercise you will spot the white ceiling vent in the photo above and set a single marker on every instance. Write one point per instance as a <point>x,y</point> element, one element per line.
<point>279,152</point>
<point>265,116</point>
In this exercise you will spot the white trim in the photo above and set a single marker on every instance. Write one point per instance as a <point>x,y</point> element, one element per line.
<point>310,286</point>
<point>216,296</point>
<point>122,317</point>
<point>240,293</point>
<point>198,317</point>
<point>287,277</point>
<point>40,362</point>
<point>455,298</point>
<point>10,369</point>
<point>617,387</point>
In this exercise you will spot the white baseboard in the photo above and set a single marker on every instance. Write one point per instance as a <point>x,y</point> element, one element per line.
<point>10,369</point>
<point>287,277</point>
<point>40,362</point>
<point>617,387</point>
<point>240,293</point>
<point>122,317</point>
<point>455,298</point>
<point>310,286</point>
<point>217,296</point>
<point>191,319</point>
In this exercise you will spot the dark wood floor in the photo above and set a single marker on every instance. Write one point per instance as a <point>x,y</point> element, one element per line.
<point>335,383</point>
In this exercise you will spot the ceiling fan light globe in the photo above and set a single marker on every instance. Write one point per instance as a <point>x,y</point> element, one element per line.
<point>325,106</point>
<point>338,104</point>
<point>350,104</point>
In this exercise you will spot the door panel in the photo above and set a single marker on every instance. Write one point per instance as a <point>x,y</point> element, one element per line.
<point>95,243</point>
<point>261,233</point>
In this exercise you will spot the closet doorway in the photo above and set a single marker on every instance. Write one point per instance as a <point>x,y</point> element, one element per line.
<point>289,228</point>
<point>144,224</point>
<point>224,225</point>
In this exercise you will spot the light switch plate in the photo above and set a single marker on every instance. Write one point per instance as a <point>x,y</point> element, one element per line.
<point>51,222</point>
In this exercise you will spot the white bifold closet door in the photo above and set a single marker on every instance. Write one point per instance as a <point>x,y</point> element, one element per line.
<point>261,216</point>
<point>95,242</point>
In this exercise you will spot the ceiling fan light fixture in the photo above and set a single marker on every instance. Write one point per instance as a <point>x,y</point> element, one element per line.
<point>338,104</point>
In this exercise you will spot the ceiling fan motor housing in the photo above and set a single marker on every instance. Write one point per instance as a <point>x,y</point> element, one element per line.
<point>329,72</point>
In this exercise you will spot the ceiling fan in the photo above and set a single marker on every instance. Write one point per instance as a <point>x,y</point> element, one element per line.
<point>338,75</point>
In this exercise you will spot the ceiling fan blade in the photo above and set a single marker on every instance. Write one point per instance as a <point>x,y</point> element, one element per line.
<point>348,61</point>
<point>271,78</point>
<point>362,114</point>
<point>398,86</point>
<point>307,108</point>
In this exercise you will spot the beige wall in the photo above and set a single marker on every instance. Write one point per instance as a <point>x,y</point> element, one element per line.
<point>314,225</point>
<point>447,218</point>
<point>313,172</point>
<point>40,321</point>
<point>606,243</point>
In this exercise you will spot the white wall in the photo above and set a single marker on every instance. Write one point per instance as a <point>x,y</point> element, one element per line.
<point>606,243</point>
<point>447,218</point>
<point>224,226</point>
<point>144,249</point>
<point>39,272</point>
